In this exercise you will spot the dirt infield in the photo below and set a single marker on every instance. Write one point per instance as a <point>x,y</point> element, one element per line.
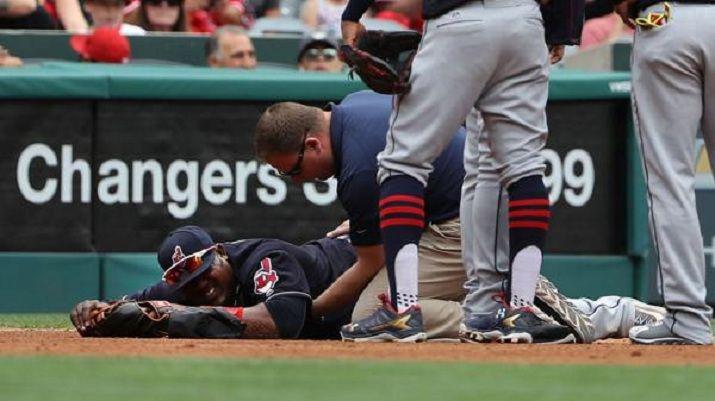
<point>62,342</point>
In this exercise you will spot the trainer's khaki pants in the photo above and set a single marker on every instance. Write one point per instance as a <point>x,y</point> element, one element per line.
<point>441,280</point>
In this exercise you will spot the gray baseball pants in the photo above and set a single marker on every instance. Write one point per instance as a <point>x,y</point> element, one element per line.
<point>486,54</point>
<point>673,95</point>
<point>485,244</point>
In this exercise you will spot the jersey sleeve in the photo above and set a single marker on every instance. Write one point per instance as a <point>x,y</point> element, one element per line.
<point>277,273</point>
<point>278,281</point>
<point>289,313</point>
<point>157,292</point>
<point>360,198</point>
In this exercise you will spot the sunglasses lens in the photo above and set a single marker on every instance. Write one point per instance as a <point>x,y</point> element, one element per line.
<point>184,267</point>
<point>330,54</point>
<point>327,54</point>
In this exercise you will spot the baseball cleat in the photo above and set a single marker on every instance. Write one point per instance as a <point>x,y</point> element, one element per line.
<point>515,326</point>
<point>647,314</point>
<point>657,334</point>
<point>554,304</point>
<point>482,328</point>
<point>386,325</point>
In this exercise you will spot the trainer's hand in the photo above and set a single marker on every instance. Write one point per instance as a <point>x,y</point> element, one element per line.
<point>556,53</point>
<point>84,313</point>
<point>623,9</point>
<point>339,231</point>
<point>351,32</point>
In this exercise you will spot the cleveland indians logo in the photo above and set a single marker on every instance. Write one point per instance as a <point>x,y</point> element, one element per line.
<point>265,278</point>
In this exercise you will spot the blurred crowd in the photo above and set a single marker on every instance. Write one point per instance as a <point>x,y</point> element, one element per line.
<point>101,26</point>
<point>135,17</point>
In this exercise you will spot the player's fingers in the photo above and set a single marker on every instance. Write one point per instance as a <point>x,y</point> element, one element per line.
<point>557,53</point>
<point>622,11</point>
<point>342,229</point>
<point>74,317</point>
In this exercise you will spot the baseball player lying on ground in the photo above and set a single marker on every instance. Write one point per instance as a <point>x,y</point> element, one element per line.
<point>307,143</point>
<point>254,288</point>
<point>259,289</point>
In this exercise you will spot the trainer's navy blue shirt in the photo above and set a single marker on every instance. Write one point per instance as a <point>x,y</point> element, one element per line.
<point>358,129</point>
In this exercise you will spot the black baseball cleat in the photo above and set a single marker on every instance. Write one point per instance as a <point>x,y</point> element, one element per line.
<point>514,326</point>
<point>386,325</point>
<point>482,328</point>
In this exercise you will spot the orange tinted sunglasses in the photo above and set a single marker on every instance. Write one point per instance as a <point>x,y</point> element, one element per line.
<point>185,267</point>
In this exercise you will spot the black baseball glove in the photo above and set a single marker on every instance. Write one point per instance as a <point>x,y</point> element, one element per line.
<point>383,59</point>
<point>162,319</point>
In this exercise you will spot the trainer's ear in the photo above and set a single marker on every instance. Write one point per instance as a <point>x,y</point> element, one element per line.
<point>314,143</point>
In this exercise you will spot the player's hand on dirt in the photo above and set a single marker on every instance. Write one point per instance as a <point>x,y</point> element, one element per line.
<point>339,231</point>
<point>351,32</point>
<point>623,9</point>
<point>85,314</point>
<point>556,53</point>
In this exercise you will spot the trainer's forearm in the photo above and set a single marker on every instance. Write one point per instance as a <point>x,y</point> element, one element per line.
<point>345,290</point>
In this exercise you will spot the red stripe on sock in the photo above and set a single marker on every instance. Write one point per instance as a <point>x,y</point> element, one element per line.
<point>402,222</point>
<point>530,212</point>
<point>402,209</point>
<point>529,224</point>
<point>403,198</point>
<point>529,202</point>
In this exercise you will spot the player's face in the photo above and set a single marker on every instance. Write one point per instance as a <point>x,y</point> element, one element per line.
<point>214,287</point>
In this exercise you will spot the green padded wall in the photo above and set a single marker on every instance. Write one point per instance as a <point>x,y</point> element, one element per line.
<point>47,282</point>
<point>126,273</point>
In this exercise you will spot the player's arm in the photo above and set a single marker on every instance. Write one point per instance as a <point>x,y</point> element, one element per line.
<point>160,291</point>
<point>282,316</point>
<point>347,288</point>
<point>279,291</point>
<point>350,25</point>
<point>360,198</point>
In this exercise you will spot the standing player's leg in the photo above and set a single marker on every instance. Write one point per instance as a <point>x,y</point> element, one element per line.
<point>444,87</point>
<point>668,79</point>
<point>485,242</point>
<point>513,108</point>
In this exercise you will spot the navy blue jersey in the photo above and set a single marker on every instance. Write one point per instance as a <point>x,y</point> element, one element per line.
<point>284,277</point>
<point>358,129</point>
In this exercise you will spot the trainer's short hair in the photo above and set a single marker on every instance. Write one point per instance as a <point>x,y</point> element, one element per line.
<point>212,45</point>
<point>282,127</point>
